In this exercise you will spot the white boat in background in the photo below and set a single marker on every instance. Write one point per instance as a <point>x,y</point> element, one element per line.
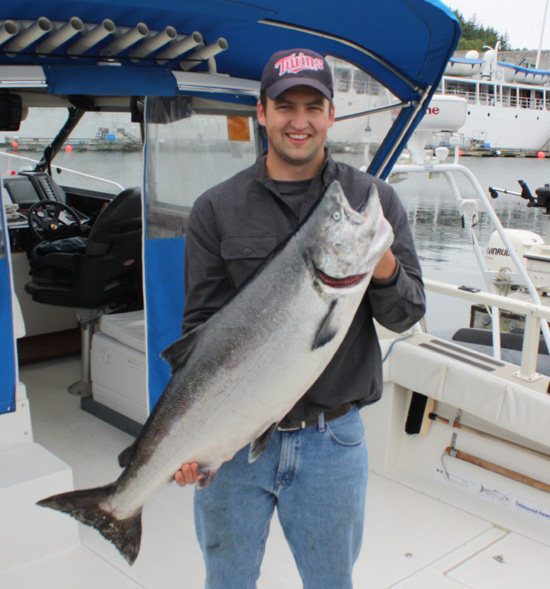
<point>508,105</point>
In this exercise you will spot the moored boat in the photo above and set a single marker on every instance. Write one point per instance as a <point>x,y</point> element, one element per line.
<point>508,105</point>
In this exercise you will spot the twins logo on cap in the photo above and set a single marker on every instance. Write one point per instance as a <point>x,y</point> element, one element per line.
<point>293,64</point>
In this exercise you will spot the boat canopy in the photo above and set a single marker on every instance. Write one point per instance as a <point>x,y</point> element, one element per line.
<point>131,48</point>
<point>99,54</point>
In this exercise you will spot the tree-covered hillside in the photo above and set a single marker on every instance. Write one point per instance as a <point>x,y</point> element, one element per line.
<point>476,36</point>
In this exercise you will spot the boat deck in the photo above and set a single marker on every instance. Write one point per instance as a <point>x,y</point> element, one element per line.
<point>412,540</point>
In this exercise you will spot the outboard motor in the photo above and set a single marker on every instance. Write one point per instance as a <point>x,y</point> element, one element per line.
<point>533,252</point>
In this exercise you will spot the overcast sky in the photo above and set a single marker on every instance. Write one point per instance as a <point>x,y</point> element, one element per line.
<point>521,19</point>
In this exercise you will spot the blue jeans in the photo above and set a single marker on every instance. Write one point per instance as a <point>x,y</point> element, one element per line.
<point>317,479</point>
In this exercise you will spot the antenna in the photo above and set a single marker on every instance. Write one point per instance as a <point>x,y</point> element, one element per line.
<point>541,35</point>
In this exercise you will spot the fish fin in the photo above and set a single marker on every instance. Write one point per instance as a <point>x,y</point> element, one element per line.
<point>207,477</point>
<point>126,456</point>
<point>259,444</point>
<point>85,506</point>
<point>327,330</point>
<point>176,354</point>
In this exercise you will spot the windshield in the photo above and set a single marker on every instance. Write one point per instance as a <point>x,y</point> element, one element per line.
<point>356,139</point>
<point>102,153</point>
<point>187,153</point>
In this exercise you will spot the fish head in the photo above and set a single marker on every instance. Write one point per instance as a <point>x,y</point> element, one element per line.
<point>343,245</point>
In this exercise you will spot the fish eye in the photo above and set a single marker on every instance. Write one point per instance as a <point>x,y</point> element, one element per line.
<point>337,215</point>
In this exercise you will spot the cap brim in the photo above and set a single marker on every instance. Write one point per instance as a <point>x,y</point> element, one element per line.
<point>281,86</point>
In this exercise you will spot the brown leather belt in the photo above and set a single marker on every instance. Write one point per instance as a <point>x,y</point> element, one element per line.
<point>292,426</point>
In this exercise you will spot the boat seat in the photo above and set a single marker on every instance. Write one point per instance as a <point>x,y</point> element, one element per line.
<point>100,269</point>
<point>439,369</point>
<point>101,272</point>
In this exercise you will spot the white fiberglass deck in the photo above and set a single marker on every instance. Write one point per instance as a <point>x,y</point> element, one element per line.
<point>412,540</point>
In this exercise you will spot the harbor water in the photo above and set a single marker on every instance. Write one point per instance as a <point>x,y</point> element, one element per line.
<point>443,246</point>
<point>434,216</point>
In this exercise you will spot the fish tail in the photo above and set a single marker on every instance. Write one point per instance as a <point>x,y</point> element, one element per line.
<point>85,506</point>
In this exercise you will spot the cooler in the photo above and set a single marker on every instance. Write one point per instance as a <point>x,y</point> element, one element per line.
<point>118,365</point>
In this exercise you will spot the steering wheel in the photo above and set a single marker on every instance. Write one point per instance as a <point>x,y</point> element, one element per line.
<point>50,220</point>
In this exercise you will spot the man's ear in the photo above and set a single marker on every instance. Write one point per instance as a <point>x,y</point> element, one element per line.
<point>260,113</point>
<point>332,114</point>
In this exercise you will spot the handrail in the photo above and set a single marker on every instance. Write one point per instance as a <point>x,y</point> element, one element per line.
<point>533,312</point>
<point>508,101</point>
<point>490,299</point>
<point>535,321</point>
<point>447,171</point>
<point>28,159</point>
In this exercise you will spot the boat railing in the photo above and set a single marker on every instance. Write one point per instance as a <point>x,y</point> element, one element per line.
<point>534,315</point>
<point>469,96</point>
<point>30,163</point>
<point>490,99</point>
<point>469,211</point>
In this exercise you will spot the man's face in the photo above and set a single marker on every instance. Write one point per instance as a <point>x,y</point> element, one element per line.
<point>296,124</point>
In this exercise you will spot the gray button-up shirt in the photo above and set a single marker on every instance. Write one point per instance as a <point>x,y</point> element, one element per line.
<point>234,226</point>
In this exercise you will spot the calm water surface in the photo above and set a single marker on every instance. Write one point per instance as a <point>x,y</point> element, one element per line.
<point>443,247</point>
<point>434,216</point>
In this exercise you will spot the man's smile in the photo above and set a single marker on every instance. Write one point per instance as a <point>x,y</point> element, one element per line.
<point>298,138</point>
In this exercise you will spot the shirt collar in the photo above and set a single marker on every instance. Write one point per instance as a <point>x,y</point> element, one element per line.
<point>322,180</point>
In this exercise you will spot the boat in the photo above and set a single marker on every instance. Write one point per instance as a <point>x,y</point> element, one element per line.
<point>508,105</point>
<point>459,444</point>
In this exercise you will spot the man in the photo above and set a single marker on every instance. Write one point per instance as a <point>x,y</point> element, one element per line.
<point>314,468</point>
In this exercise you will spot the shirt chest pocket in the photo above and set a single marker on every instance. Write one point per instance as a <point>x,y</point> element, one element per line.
<point>244,254</point>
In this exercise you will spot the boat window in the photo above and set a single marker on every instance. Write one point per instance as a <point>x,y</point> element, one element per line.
<point>509,96</point>
<point>539,99</point>
<point>186,153</point>
<point>103,153</point>
<point>487,94</point>
<point>466,90</point>
<point>364,84</point>
<point>525,98</point>
<point>342,79</point>
<point>356,139</point>
<point>547,101</point>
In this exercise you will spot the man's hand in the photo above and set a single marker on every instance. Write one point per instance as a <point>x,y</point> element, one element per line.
<point>188,474</point>
<point>385,268</point>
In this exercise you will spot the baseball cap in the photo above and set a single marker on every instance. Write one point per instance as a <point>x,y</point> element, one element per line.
<point>296,67</point>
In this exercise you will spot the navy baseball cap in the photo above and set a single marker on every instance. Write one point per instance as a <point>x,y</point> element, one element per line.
<point>296,67</point>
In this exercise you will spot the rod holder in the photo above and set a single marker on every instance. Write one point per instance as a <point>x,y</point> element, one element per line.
<point>29,36</point>
<point>126,40</point>
<point>153,43</point>
<point>177,48</point>
<point>92,37</point>
<point>204,54</point>
<point>60,36</point>
<point>8,29</point>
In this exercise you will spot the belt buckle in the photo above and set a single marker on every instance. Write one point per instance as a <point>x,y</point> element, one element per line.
<point>282,428</point>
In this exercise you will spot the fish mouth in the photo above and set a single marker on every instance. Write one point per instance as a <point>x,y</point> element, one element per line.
<point>339,282</point>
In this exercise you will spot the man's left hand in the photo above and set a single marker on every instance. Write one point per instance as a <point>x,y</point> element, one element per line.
<point>385,268</point>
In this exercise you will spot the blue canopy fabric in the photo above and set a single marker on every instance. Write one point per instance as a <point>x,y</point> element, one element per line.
<point>7,339</point>
<point>404,43</point>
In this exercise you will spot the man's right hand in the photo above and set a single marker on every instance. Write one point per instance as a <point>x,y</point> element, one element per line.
<point>188,474</point>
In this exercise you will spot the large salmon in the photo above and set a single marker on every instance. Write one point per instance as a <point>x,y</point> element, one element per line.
<point>236,376</point>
